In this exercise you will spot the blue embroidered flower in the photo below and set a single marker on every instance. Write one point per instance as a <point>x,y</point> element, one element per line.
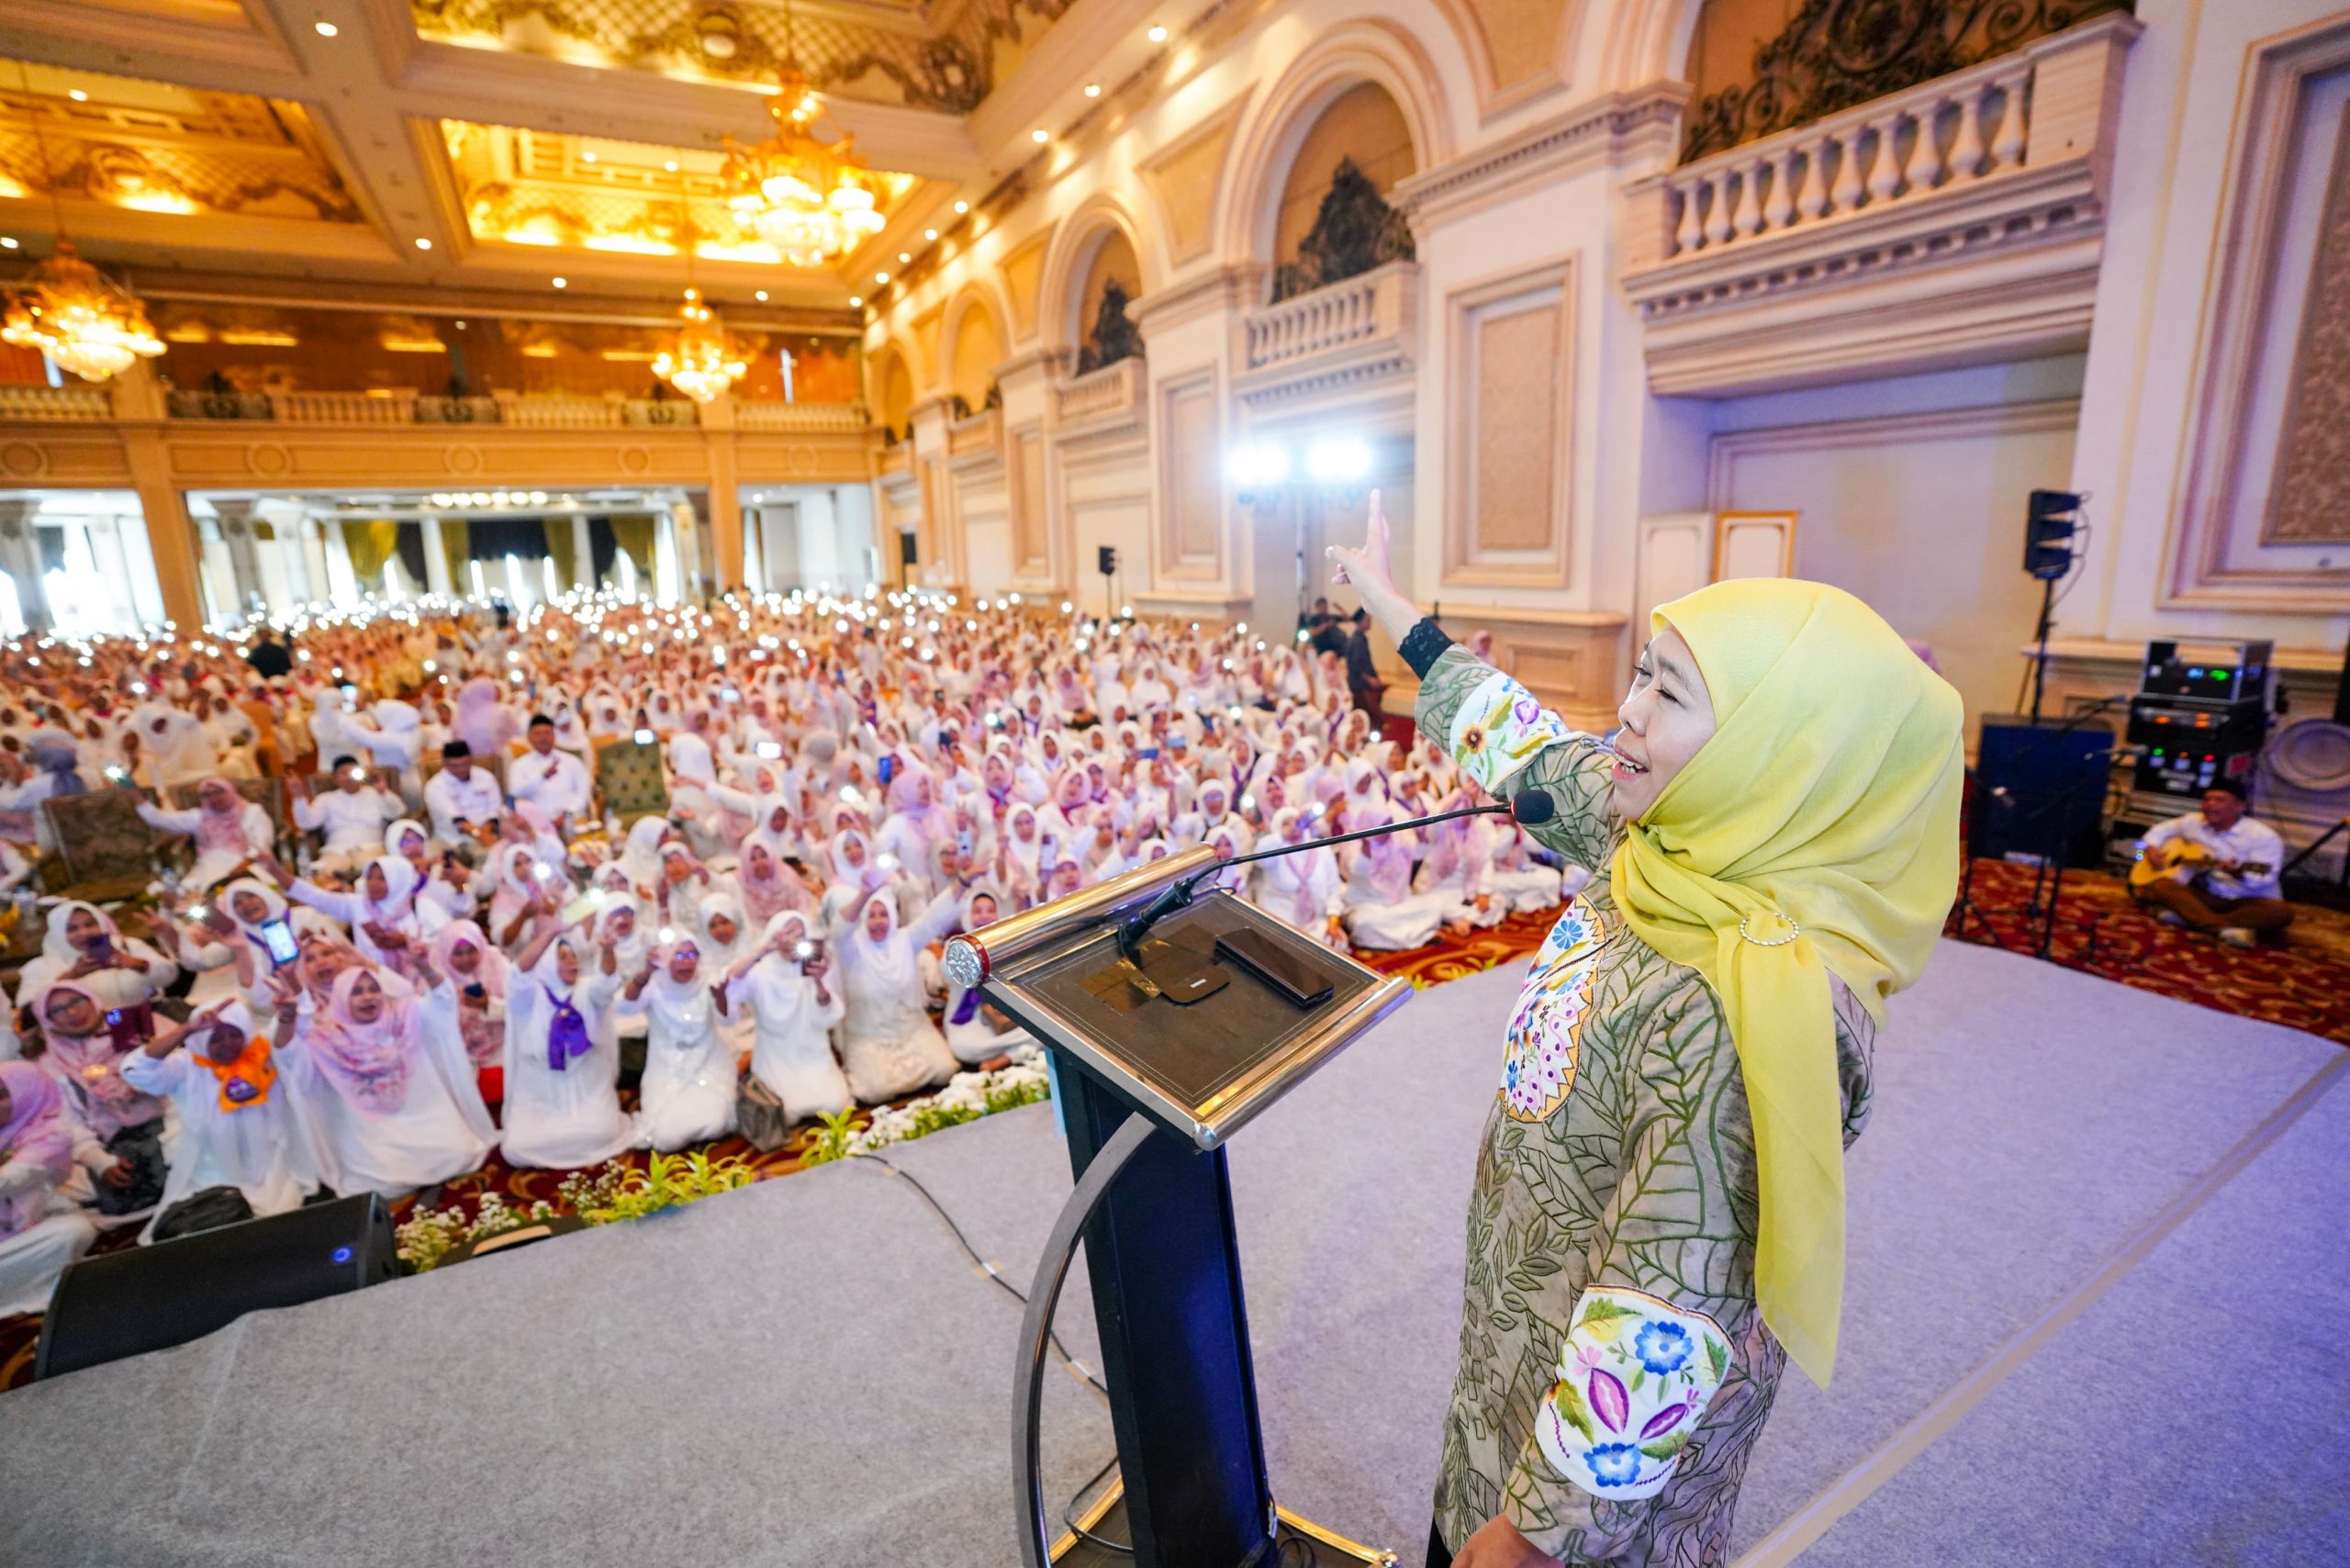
<point>1662,1346</point>
<point>1614,1464</point>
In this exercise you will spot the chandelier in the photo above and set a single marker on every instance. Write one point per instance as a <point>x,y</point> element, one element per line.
<point>811,201</point>
<point>66,308</point>
<point>702,360</point>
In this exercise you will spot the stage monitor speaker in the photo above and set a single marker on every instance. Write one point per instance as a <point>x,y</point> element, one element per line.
<point>909,546</point>
<point>150,1298</point>
<point>2039,789</point>
<point>2342,692</point>
<point>1105,559</point>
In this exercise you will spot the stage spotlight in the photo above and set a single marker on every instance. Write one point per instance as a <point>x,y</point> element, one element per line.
<point>1342,461</point>
<point>1259,466</point>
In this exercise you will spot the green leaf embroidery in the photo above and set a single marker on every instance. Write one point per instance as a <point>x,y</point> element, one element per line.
<point>1639,1378</point>
<point>1666,1446</point>
<point>1718,1353</point>
<point>1599,1309</point>
<point>1572,1411</point>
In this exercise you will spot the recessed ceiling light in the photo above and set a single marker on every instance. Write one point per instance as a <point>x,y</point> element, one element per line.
<point>1159,35</point>
<point>854,301</point>
<point>422,243</point>
<point>1093,89</point>
<point>1040,135</point>
<point>587,157</point>
<point>78,96</point>
<point>880,277</point>
<point>670,164</point>
<point>904,256</point>
<point>761,297</point>
<point>563,283</point>
<point>962,206</point>
<point>8,243</point>
<point>930,233</point>
<point>327,30</point>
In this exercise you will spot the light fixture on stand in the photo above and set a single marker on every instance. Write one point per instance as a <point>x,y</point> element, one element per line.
<point>69,310</point>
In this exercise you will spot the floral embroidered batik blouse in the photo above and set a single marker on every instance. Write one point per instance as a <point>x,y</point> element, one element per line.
<point>1614,1371</point>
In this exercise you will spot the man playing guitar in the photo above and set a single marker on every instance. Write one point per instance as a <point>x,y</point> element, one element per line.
<point>2215,870</point>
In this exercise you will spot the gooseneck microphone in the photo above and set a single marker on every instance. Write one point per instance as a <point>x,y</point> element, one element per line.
<point>1529,808</point>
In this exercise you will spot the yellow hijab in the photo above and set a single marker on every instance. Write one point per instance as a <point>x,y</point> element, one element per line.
<point>1823,814</point>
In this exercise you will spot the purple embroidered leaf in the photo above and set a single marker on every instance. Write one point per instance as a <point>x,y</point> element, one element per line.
<point>1609,1400</point>
<point>1664,1419</point>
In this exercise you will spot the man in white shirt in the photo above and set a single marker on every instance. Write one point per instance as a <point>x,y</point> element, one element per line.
<point>2236,891</point>
<point>555,781</point>
<point>353,816</point>
<point>463,800</point>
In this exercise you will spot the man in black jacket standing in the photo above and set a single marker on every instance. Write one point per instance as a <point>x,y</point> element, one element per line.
<point>269,657</point>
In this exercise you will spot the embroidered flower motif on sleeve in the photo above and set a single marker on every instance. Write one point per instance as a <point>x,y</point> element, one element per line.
<point>1635,1377</point>
<point>1499,729</point>
<point>1545,1036</point>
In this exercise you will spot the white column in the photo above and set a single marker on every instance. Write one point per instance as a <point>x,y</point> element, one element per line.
<point>20,558</point>
<point>583,552</point>
<point>436,558</point>
<point>342,583</point>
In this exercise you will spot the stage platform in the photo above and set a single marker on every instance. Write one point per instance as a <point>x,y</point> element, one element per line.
<point>2092,1251</point>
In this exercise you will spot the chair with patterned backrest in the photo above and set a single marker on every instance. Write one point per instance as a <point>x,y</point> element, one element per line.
<point>105,851</point>
<point>627,773</point>
<point>269,794</point>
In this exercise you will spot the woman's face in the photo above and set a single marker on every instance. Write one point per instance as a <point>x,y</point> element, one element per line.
<point>877,919</point>
<point>982,912</point>
<point>465,958</point>
<point>566,963</point>
<point>224,1043</point>
<point>677,867</point>
<point>366,1000</point>
<point>378,889</point>
<point>70,1012</point>
<point>853,851</point>
<point>1668,717</point>
<point>761,863</point>
<point>723,930</point>
<point>85,930</point>
<point>685,963</point>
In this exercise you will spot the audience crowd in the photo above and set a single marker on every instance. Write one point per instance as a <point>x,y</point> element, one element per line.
<point>446,949</point>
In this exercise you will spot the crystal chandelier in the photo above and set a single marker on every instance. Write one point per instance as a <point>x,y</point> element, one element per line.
<point>811,201</point>
<point>70,312</point>
<point>703,361</point>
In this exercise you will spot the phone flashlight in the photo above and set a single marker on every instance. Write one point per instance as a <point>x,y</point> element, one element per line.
<point>644,738</point>
<point>768,751</point>
<point>803,949</point>
<point>668,935</point>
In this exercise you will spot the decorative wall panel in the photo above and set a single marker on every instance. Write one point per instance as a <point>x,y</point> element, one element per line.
<point>1030,531</point>
<point>1511,355</point>
<point>2311,496</point>
<point>1190,531</point>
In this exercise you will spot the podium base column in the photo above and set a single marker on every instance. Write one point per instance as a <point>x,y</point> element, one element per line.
<point>1107,1519</point>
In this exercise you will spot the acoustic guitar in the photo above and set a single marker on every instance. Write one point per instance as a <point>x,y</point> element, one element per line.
<point>2183,860</point>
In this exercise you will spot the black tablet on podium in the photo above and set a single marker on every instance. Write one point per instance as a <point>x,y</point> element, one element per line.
<point>1172,1020</point>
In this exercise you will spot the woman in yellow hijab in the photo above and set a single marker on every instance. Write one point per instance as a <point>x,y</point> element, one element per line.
<point>1658,1219</point>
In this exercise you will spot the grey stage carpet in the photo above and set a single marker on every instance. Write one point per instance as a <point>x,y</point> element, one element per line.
<point>809,1372</point>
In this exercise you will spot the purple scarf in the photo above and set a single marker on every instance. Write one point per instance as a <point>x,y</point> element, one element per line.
<point>567,1033</point>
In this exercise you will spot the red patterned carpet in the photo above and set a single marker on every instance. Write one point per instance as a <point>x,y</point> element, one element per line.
<point>2303,986</point>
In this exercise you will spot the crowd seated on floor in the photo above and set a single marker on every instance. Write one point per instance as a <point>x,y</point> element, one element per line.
<point>506,845</point>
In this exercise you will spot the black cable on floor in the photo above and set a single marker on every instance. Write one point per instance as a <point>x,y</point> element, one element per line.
<point>992,1273</point>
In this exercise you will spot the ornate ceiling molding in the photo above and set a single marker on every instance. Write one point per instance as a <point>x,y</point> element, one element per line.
<point>950,69</point>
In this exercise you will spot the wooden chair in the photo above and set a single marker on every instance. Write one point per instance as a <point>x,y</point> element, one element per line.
<point>105,852</point>
<point>628,777</point>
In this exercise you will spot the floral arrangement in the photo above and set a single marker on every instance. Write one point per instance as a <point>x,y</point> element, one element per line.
<point>967,1097</point>
<point>614,1192</point>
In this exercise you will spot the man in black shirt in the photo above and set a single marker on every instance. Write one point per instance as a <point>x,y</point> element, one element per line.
<point>1362,675</point>
<point>269,657</point>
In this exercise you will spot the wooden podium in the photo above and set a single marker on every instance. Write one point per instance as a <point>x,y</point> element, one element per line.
<point>1151,1088</point>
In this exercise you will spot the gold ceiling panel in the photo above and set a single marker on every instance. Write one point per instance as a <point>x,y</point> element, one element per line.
<point>153,147</point>
<point>883,53</point>
<point>531,188</point>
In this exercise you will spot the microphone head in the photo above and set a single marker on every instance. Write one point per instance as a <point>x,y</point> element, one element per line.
<point>1533,807</point>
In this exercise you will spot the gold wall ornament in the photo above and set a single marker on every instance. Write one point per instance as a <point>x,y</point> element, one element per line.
<point>812,202</point>
<point>701,361</point>
<point>76,315</point>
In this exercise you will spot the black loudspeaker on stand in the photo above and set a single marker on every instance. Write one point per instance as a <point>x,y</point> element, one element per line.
<point>151,1298</point>
<point>2039,793</point>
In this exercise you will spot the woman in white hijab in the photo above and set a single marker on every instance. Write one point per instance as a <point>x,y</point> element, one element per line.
<point>784,981</point>
<point>83,944</point>
<point>389,924</point>
<point>391,1106</point>
<point>238,1124</point>
<point>970,1025</point>
<point>563,1055</point>
<point>721,937</point>
<point>1304,888</point>
<point>688,1087</point>
<point>640,854</point>
<point>889,1046</point>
